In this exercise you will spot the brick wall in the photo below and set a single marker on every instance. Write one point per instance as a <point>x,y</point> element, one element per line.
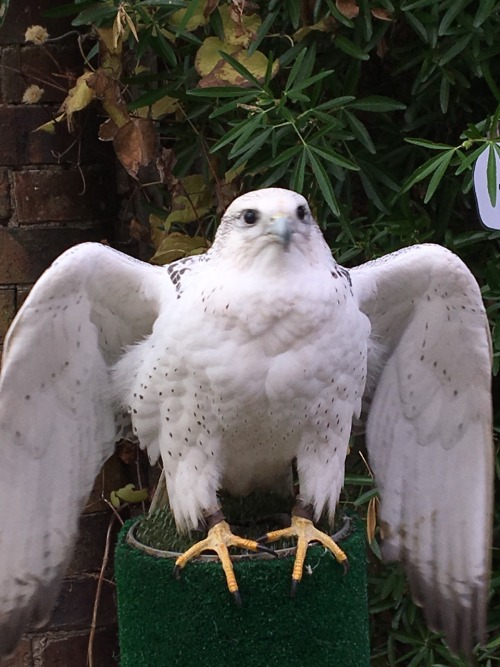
<point>55,191</point>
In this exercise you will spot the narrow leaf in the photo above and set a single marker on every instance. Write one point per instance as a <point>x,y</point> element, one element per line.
<point>483,12</point>
<point>438,175</point>
<point>377,103</point>
<point>491,175</point>
<point>334,157</point>
<point>425,169</point>
<point>350,48</point>
<point>428,144</point>
<point>241,69</point>
<point>323,182</point>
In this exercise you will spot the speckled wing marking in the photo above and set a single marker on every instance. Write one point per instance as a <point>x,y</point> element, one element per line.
<point>182,266</point>
<point>429,430</point>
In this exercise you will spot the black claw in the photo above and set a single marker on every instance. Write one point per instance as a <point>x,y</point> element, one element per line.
<point>177,572</point>
<point>267,550</point>
<point>262,539</point>
<point>237,598</point>
<point>345,565</point>
<point>293,588</point>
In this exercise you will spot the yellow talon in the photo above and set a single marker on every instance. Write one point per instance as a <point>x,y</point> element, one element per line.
<point>218,539</point>
<point>306,532</point>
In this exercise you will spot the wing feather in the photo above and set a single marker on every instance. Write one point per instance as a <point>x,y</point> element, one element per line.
<point>57,422</point>
<point>429,431</point>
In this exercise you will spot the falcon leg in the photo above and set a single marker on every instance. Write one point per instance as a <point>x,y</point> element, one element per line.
<point>219,538</point>
<point>303,528</point>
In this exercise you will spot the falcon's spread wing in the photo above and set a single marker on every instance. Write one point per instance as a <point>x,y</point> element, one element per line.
<point>429,434</point>
<point>56,414</point>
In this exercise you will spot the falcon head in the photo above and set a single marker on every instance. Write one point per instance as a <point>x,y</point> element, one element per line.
<point>271,221</point>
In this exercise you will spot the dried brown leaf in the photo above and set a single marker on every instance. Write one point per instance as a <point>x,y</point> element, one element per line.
<point>327,24</point>
<point>371,518</point>
<point>135,144</point>
<point>108,130</point>
<point>165,164</point>
<point>381,13</point>
<point>347,8</point>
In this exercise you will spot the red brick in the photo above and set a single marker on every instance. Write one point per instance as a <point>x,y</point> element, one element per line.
<point>21,294</point>
<point>7,309</point>
<point>27,146</point>
<point>22,15</point>
<point>4,194</point>
<point>21,657</point>
<point>91,543</point>
<point>62,195</point>
<point>70,649</point>
<point>53,67</point>
<point>75,604</point>
<point>26,253</point>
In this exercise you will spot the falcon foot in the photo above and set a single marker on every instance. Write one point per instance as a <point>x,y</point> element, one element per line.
<point>306,532</point>
<point>219,538</point>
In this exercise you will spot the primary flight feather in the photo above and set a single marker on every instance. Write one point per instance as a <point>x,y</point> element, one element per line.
<point>232,365</point>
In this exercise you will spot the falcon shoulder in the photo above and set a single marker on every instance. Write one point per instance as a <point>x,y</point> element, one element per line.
<point>429,430</point>
<point>57,422</point>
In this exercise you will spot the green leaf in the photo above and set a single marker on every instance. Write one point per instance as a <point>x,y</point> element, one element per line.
<point>310,81</point>
<point>336,103</point>
<point>244,129</point>
<point>483,12</point>
<point>376,103</point>
<point>323,181</point>
<point>458,46</point>
<point>223,91</point>
<point>248,129</point>
<point>417,26</point>
<point>491,175</point>
<point>230,106</point>
<point>350,48</point>
<point>467,162</point>
<point>425,169</point>
<point>334,157</point>
<point>95,13</point>
<point>163,48</point>
<point>66,10</point>
<point>438,175</point>
<point>148,98</point>
<point>286,155</point>
<point>428,144</point>
<point>298,174</point>
<point>450,15</point>
<point>295,70</point>
<point>360,132</point>
<point>444,94</point>
<point>262,32</point>
<point>252,147</point>
<point>241,69</point>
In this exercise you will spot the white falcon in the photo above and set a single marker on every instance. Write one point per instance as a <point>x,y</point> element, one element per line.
<point>236,363</point>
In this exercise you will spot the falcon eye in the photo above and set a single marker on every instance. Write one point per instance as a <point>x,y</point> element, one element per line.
<point>250,217</point>
<point>301,212</point>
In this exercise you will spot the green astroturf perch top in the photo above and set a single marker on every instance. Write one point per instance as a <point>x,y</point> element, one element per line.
<point>169,623</point>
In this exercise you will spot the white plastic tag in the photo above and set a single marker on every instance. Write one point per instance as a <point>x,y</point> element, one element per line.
<point>489,215</point>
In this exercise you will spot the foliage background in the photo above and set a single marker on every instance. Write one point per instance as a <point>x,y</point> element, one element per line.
<point>374,110</point>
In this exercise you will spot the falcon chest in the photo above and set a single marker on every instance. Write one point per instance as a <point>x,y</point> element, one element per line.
<point>253,370</point>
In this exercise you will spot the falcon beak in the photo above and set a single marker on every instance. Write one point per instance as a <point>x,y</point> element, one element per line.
<point>281,226</point>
